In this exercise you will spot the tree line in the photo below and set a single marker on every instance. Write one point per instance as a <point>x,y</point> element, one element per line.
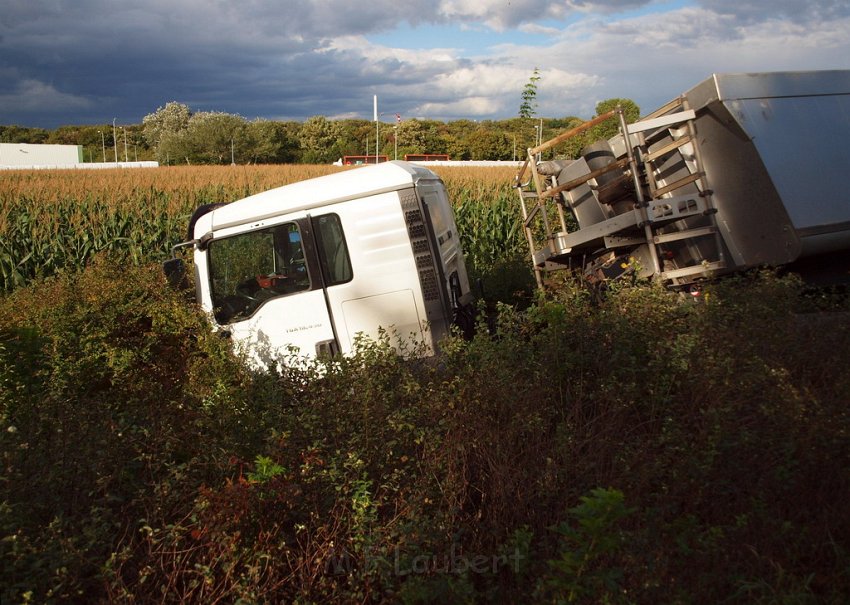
<point>174,134</point>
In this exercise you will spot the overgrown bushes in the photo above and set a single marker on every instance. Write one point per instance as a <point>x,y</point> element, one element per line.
<point>640,449</point>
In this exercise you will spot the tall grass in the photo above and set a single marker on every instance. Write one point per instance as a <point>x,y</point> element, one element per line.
<point>55,221</point>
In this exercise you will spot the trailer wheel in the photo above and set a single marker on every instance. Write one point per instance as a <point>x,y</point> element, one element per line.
<point>464,319</point>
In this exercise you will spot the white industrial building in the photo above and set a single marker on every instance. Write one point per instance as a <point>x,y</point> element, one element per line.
<point>25,155</point>
<point>22,156</point>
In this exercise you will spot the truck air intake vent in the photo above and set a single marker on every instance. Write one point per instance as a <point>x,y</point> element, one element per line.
<point>418,233</point>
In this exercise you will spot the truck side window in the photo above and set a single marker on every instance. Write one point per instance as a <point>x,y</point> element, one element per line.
<point>250,268</point>
<point>333,251</point>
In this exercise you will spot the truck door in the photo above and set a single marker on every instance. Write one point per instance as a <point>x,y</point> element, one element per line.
<point>382,298</point>
<point>267,287</point>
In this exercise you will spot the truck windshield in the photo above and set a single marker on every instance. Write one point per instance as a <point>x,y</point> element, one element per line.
<point>250,268</point>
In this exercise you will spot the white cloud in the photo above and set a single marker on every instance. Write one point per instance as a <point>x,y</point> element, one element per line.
<point>360,46</point>
<point>752,11</point>
<point>502,14</point>
<point>653,58</point>
<point>538,30</point>
<point>466,107</point>
<point>440,84</point>
<point>605,6</point>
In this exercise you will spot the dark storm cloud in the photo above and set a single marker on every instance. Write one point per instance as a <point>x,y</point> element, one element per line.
<point>106,59</point>
<point>92,60</point>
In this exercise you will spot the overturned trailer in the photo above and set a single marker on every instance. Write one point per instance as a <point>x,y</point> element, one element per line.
<point>743,170</point>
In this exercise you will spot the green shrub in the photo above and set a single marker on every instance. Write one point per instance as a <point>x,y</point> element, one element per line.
<point>104,378</point>
<point>143,462</point>
<point>583,572</point>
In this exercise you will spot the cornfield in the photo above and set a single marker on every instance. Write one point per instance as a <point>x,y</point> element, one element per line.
<point>56,221</point>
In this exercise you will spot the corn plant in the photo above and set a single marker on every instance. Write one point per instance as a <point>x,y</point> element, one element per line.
<point>58,220</point>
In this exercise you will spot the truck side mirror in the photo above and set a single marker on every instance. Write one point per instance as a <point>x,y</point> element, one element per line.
<point>175,273</point>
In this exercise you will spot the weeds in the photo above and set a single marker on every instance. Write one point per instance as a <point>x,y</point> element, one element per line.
<point>632,448</point>
<point>142,461</point>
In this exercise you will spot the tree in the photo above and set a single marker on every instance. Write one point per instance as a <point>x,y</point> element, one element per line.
<point>21,134</point>
<point>609,128</point>
<point>271,143</point>
<point>213,136</point>
<point>571,148</point>
<point>172,118</point>
<point>488,144</point>
<point>320,140</point>
<point>412,137</point>
<point>163,130</point>
<point>528,107</point>
<point>455,146</point>
<point>630,108</point>
<point>352,136</point>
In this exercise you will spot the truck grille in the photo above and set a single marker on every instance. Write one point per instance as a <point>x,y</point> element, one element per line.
<point>421,249</point>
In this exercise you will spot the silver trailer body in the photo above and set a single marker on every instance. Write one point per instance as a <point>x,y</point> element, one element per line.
<point>742,170</point>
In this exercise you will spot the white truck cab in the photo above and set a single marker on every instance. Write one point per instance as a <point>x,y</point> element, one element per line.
<point>308,267</point>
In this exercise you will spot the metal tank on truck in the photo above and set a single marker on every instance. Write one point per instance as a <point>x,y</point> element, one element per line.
<point>309,267</point>
<point>741,171</point>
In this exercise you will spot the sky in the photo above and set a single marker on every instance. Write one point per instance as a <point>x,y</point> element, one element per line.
<point>74,62</point>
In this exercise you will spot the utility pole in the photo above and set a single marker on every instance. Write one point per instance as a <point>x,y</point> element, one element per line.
<point>115,139</point>
<point>103,144</point>
<point>377,129</point>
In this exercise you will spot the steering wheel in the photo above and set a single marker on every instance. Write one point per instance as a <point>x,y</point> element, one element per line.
<point>248,289</point>
<point>272,280</point>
